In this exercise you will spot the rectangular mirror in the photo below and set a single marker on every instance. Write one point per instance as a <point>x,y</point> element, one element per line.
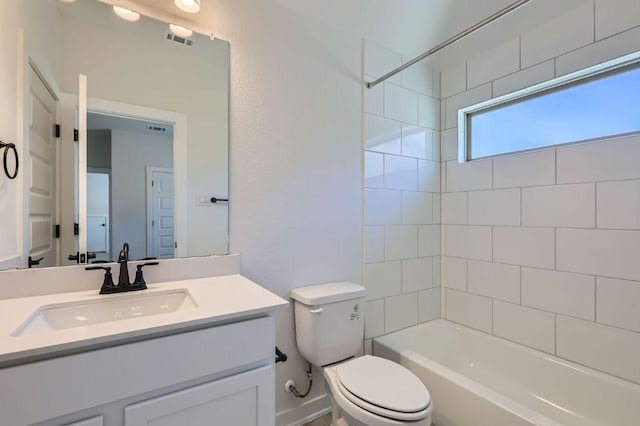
<point>152,150</point>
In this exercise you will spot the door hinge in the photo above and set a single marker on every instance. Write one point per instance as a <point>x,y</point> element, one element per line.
<point>76,229</point>
<point>175,244</point>
<point>56,231</point>
<point>56,131</point>
<point>153,223</point>
<point>76,135</point>
<point>153,183</point>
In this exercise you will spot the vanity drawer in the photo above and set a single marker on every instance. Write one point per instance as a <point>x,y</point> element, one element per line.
<point>47,389</point>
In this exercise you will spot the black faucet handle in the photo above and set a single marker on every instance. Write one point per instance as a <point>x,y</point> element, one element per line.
<point>139,283</point>
<point>107,285</point>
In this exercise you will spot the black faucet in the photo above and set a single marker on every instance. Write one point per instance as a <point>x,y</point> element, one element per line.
<point>123,280</point>
<point>123,258</point>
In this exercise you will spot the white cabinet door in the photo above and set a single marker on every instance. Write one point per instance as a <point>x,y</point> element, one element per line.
<point>94,421</point>
<point>246,399</point>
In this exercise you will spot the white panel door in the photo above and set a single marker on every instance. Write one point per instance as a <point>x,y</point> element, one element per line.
<point>160,212</point>
<point>245,399</point>
<point>96,234</point>
<point>40,179</point>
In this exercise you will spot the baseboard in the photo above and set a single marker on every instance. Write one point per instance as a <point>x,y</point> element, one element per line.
<point>305,412</point>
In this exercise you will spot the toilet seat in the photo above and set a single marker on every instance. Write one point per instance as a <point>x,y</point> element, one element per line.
<point>384,388</point>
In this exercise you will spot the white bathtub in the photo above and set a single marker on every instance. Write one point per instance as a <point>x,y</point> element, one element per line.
<point>477,379</point>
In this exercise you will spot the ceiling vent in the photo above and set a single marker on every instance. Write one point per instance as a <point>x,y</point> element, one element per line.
<point>180,40</point>
<point>156,129</point>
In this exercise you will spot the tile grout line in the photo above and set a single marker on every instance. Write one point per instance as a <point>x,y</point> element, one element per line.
<point>594,23</point>
<point>555,166</point>
<point>519,53</point>
<point>521,207</point>
<point>466,277</point>
<point>555,248</point>
<point>521,284</point>
<point>595,299</point>
<point>555,333</point>
<point>595,193</point>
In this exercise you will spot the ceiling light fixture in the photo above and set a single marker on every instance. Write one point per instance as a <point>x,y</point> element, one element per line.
<point>180,31</point>
<point>126,14</point>
<point>67,1</point>
<point>190,6</point>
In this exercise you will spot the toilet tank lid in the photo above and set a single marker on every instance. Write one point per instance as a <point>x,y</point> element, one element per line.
<point>327,293</point>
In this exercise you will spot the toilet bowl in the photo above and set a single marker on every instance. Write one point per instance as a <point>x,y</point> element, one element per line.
<point>372,391</point>
<point>364,391</point>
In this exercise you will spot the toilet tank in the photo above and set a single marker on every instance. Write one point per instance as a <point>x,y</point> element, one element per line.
<point>329,321</point>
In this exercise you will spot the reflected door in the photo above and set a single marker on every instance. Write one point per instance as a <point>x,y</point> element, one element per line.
<point>41,176</point>
<point>160,233</point>
<point>98,208</point>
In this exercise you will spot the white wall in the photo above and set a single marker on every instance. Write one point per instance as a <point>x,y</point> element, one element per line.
<point>35,20</point>
<point>99,149</point>
<point>402,195</point>
<point>8,125</point>
<point>131,153</point>
<point>542,248</point>
<point>296,160</point>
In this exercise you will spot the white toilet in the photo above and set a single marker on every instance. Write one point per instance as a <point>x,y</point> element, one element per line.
<point>365,391</point>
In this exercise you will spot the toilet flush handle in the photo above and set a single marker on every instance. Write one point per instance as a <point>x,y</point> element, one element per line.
<point>316,311</point>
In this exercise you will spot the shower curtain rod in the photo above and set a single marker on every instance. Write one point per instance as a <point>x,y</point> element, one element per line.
<point>510,8</point>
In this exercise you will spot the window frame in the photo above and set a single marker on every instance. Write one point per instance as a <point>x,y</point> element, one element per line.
<point>550,86</point>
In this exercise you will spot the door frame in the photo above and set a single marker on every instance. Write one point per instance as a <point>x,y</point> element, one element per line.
<point>179,123</point>
<point>149,205</point>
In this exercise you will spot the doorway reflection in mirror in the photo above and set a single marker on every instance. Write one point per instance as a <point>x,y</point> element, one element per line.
<point>130,187</point>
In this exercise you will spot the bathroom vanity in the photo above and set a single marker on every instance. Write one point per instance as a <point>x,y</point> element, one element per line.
<point>192,351</point>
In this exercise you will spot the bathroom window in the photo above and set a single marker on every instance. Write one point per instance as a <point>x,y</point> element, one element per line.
<point>600,101</point>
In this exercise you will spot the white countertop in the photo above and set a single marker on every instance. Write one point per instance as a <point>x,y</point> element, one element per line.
<point>220,299</point>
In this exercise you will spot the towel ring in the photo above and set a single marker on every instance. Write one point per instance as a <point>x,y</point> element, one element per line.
<point>10,147</point>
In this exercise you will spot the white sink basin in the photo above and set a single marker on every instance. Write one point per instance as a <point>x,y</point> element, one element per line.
<point>106,309</point>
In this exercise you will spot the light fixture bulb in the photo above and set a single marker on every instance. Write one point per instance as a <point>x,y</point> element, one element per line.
<point>190,6</point>
<point>180,31</point>
<point>126,14</point>
<point>67,1</point>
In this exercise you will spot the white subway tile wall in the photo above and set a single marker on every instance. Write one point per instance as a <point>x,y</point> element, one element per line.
<point>400,312</point>
<point>566,32</point>
<point>526,169</point>
<point>494,63</point>
<point>402,194</point>
<point>612,20</point>
<point>543,248</point>
<point>524,78</point>
<point>454,208</point>
<point>569,206</point>
<point>469,309</point>
<point>530,327</point>
<point>495,280</point>
<point>417,274</point>
<point>429,304</point>
<point>495,207</point>
<point>454,273</point>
